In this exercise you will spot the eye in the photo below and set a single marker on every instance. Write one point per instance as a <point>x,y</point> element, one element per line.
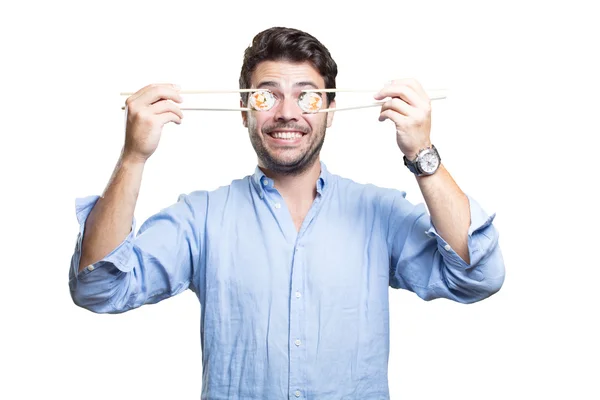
<point>262,100</point>
<point>310,102</point>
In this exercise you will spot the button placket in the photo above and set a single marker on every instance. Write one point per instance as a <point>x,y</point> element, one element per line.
<point>297,319</point>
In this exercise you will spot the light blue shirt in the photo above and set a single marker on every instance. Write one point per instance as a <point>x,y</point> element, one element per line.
<point>286,313</point>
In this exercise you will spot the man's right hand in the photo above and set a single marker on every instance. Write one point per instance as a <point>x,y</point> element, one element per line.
<point>148,110</point>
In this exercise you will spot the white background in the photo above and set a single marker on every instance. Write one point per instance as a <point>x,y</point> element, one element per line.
<point>519,132</point>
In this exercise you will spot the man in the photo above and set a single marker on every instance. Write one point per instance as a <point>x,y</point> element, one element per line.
<point>292,264</point>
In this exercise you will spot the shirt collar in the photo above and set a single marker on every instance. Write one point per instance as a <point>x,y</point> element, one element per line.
<point>261,182</point>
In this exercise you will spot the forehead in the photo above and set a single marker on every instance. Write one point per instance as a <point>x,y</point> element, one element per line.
<point>286,73</point>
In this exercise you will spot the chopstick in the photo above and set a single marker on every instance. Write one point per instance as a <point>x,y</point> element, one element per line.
<point>208,109</point>
<point>213,109</point>
<point>203,91</point>
<point>430,91</point>
<point>341,90</point>
<point>254,90</point>
<point>441,96</point>
<point>377,103</point>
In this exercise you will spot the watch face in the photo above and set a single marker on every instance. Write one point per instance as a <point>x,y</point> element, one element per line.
<point>429,163</point>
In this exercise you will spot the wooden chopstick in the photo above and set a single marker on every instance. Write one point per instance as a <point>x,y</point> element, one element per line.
<point>254,90</point>
<point>208,109</point>
<point>430,91</point>
<point>377,103</point>
<point>340,90</point>
<point>351,108</point>
<point>203,91</point>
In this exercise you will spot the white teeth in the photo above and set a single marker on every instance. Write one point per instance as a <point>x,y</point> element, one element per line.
<point>286,135</point>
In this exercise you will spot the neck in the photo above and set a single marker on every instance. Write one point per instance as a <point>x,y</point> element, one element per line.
<point>296,188</point>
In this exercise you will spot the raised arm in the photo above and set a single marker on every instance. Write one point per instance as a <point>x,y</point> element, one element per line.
<point>453,251</point>
<point>111,217</point>
<point>112,270</point>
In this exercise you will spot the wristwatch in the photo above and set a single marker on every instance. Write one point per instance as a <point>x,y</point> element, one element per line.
<point>427,162</point>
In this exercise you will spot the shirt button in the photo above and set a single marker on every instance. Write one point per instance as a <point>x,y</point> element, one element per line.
<point>297,342</point>
<point>277,205</point>
<point>298,295</point>
<point>90,267</point>
<point>265,181</point>
<point>447,247</point>
<point>297,393</point>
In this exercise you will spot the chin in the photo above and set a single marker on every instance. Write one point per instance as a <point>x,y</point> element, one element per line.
<point>290,167</point>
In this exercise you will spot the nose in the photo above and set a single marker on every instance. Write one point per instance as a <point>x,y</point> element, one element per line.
<point>288,110</point>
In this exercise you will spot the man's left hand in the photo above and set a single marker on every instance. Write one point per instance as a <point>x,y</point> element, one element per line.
<point>409,107</point>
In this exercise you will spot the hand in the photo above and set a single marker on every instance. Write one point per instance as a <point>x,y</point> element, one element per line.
<point>148,110</point>
<point>410,109</point>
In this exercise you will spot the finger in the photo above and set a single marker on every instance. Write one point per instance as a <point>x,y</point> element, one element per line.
<point>163,106</point>
<point>168,117</point>
<point>160,92</point>
<point>146,88</point>
<point>393,116</point>
<point>414,85</point>
<point>399,106</point>
<point>154,92</point>
<point>403,92</point>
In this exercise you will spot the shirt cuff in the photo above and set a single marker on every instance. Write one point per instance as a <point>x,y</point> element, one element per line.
<point>481,221</point>
<point>118,257</point>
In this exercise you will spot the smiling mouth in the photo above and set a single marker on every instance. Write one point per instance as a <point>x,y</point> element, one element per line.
<point>286,135</point>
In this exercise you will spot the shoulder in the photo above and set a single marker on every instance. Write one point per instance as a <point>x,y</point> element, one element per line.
<point>367,191</point>
<point>220,194</point>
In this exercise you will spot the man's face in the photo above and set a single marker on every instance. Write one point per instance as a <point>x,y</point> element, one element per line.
<point>285,139</point>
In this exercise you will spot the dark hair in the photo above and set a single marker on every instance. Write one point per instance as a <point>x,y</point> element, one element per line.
<point>288,44</point>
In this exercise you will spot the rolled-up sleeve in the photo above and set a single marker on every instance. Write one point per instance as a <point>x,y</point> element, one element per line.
<point>158,262</point>
<point>423,262</point>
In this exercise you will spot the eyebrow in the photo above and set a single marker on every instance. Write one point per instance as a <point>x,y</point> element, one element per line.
<point>273,84</point>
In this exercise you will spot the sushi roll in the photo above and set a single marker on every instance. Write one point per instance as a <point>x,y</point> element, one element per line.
<point>310,102</point>
<point>262,100</point>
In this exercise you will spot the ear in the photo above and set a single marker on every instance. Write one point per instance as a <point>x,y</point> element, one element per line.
<point>244,115</point>
<point>330,114</point>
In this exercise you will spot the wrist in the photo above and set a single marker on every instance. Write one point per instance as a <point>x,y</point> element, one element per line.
<point>413,153</point>
<point>132,159</point>
<point>426,162</point>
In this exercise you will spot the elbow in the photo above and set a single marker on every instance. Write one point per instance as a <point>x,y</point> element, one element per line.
<point>95,303</point>
<point>487,288</point>
<point>494,271</point>
<point>474,292</point>
<point>496,282</point>
<point>487,278</point>
<point>98,296</point>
